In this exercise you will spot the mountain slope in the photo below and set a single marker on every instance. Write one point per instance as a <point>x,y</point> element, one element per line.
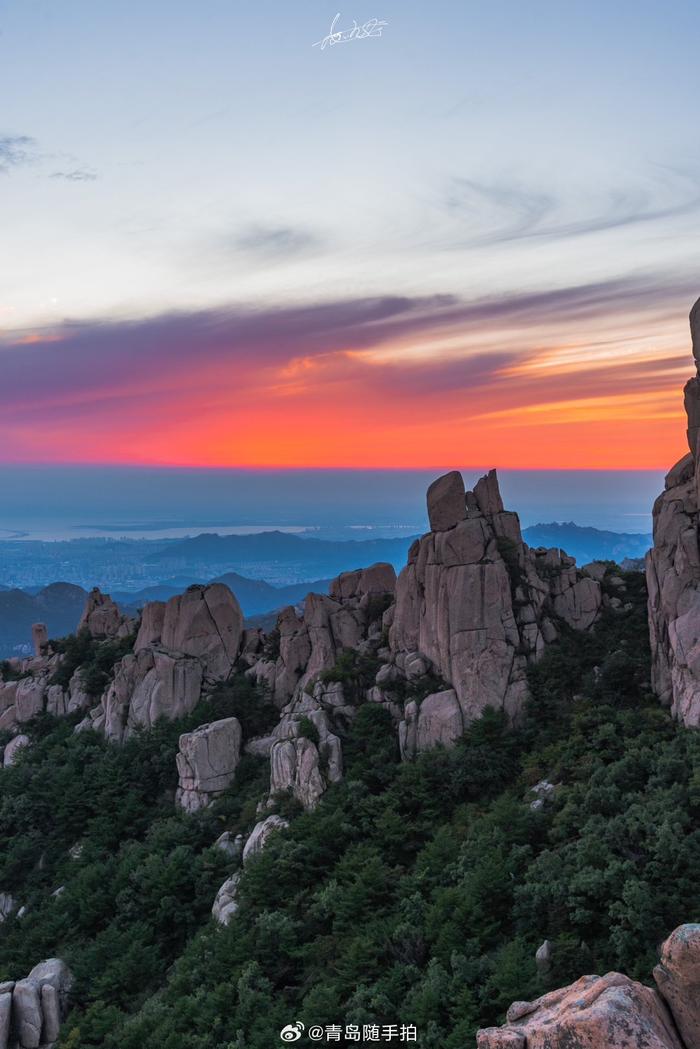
<point>416,892</point>
<point>59,606</point>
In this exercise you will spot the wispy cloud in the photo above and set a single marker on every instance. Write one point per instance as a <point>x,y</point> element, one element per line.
<point>271,242</point>
<point>16,150</point>
<point>77,175</point>
<point>498,212</point>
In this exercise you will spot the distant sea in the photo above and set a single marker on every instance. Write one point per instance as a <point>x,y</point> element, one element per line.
<point>71,502</point>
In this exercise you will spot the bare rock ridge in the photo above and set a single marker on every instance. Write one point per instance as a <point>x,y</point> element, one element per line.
<point>454,634</point>
<point>612,1011</point>
<point>673,568</point>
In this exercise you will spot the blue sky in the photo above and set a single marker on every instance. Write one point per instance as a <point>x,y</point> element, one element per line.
<point>212,153</point>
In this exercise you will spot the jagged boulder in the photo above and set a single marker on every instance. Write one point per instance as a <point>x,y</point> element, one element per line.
<point>608,1012</point>
<point>226,903</point>
<point>101,617</point>
<point>311,643</point>
<point>437,719</point>
<point>446,505</point>
<point>148,685</point>
<point>260,835</point>
<point>613,1011</point>
<point>12,749</point>
<point>206,762</point>
<point>29,698</point>
<point>295,768</point>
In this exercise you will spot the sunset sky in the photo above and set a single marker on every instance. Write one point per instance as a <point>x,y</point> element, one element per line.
<point>473,240</point>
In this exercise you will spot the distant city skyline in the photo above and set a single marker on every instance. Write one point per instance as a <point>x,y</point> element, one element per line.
<point>473,239</point>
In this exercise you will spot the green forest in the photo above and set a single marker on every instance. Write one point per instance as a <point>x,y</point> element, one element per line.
<point>417,892</point>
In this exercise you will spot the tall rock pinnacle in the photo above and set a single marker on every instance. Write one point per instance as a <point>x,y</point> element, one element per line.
<point>673,569</point>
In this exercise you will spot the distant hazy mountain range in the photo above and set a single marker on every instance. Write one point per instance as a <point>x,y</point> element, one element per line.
<point>59,605</point>
<point>274,555</point>
<point>279,553</point>
<point>588,544</point>
<point>255,596</point>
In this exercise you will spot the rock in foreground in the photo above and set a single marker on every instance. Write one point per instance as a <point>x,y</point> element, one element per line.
<point>612,1011</point>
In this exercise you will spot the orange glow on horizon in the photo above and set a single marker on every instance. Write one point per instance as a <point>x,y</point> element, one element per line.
<point>441,397</point>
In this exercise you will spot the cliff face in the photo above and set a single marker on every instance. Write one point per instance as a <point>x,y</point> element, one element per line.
<point>673,569</point>
<point>477,603</point>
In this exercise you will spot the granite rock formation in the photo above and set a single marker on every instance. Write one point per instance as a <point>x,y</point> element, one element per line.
<point>32,1009</point>
<point>673,569</point>
<point>206,762</point>
<point>612,1011</point>
<point>101,617</point>
<point>477,604</point>
<point>182,645</point>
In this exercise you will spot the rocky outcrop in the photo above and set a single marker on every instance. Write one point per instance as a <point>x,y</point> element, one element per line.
<point>260,835</point>
<point>613,1011</point>
<point>33,1009</point>
<point>673,569</point>
<point>477,604</point>
<point>437,719</point>
<point>205,623</point>
<point>206,762</point>
<point>101,617</point>
<point>596,1012</point>
<point>310,643</point>
<point>226,902</point>
<point>182,645</point>
<point>12,749</point>
<point>678,978</point>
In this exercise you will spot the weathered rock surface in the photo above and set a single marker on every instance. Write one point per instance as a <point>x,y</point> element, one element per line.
<point>226,903</point>
<point>446,505</point>
<point>260,835</point>
<point>673,570</point>
<point>477,604</point>
<point>12,749</point>
<point>206,762</point>
<point>40,639</point>
<point>678,978</point>
<point>608,1012</point>
<point>205,622</point>
<point>310,644</point>
<point>191,640</point>
<point>613,1012</point>
<point>101,617</point>
<point>35,1007</point>
<point>437,719</point>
